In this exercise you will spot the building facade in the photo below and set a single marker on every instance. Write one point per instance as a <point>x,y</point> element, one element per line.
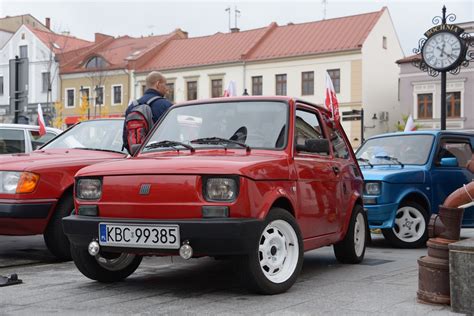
<point>420,94</point>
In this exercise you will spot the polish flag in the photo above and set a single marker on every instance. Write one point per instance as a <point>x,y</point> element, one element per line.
<point>410,125</point>
<point>331,101</point>
<point>230,91</point>
<point>42,126</point>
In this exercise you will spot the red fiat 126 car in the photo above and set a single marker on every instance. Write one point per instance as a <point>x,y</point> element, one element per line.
<point>259,180</point>
<point>36,189</point>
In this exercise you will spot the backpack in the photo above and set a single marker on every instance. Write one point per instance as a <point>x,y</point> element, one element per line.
<point>138,122</point>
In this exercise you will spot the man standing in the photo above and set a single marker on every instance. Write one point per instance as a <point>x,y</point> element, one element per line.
<point>143,113</point>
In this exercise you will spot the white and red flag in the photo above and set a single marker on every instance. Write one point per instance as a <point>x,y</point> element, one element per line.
<point>230,91</point>
<point>331,100</point>
<point>410,125</point>
<point>42,126</point>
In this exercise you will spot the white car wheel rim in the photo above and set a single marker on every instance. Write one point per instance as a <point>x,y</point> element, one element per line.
<point>409,224</point>
<point>115,264</point>
<point>278,251</point>
<point>359,235</point>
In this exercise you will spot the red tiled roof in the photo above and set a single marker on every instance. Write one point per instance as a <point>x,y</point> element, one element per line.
<point>117,52</point>
<point>332,35</point>
<point>409,59</point>
<point>213,49</point>
<point>59,43</point>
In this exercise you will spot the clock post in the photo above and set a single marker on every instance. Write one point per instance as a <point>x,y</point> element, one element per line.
<point>445,49</point>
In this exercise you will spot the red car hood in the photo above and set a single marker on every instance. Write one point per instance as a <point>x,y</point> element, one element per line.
<point>53,158</point>
<point>253,165</point>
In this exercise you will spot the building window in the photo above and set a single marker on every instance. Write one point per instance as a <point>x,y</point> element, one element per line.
<point>96,62</point>
<point>70,98</point>
<point>192,90</point>
<point>46,77</point>
<point>170,92</point>
<point>99,95</point>
<point>143,89</point>
<point>1,85</point>
<point>117,94</point>
<point>257,83</point>
<point>23,51</point>
<point>453,104</point>
<point>216,88</point>
<point>384,42</point>
<point>85,93</point>
<point>280,88</point>
<point>307,83</point>
<point>335,75</point>
<point>425,106</point>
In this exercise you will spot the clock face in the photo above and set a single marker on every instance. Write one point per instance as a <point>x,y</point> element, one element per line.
<point>442,50</point>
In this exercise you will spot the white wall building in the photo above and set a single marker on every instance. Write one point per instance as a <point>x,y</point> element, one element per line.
<point>40,47</point>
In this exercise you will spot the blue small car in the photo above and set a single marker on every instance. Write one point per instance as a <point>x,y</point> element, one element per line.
<point>407,176</point>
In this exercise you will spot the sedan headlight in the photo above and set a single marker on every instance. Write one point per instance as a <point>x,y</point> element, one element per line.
<point>220,189</point>
<point>89,189</point>
<point>372,188</point>
<point>12,182</point>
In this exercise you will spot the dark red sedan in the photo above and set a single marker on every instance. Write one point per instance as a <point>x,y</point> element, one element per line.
<point>36,189</point>
<point>259,180</point>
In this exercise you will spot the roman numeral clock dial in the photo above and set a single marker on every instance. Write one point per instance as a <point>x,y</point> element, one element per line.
<point>442,51</point>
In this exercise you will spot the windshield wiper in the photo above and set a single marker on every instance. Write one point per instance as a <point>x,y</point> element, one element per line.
<point>99,149</point>
<point>390,158</point>
<point>170,144</point>
<point>219,140</point>
<point>365,161</point>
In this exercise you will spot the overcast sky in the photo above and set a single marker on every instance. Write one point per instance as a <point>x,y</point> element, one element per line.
<point>135,18</point>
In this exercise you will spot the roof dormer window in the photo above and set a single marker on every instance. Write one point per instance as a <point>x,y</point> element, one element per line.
<point>96,62</point>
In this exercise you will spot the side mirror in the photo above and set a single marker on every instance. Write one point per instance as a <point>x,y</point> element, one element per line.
<point>315,146</point>
<point>134,148</point>
<point>449,162</point>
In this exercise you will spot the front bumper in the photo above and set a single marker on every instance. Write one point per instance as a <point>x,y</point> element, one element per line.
<point>381,216</point>
<point>210,237</point>
<point>25,209</point>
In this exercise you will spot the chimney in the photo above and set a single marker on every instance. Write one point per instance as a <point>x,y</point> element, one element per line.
<point>48,23</point>
<point>235,30</point>
<point>99,37</point>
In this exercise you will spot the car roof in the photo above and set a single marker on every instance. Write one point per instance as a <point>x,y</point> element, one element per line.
<point>250,98</point>
<point>29,127</point>
<point>427,132</point>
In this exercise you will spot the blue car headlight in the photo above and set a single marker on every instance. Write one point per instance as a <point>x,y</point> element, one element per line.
<point>372,188</point>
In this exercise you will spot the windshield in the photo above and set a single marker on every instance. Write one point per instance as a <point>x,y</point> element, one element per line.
<point>407,149</point>
<point>257,124</point>
<point>96,135</point>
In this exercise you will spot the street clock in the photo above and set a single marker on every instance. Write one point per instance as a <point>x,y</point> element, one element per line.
<point>443,51</point>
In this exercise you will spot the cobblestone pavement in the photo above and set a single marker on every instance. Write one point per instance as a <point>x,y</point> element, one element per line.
<point>385,283</point>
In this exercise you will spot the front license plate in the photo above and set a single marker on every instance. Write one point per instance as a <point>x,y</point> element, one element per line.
<point>139,236</point>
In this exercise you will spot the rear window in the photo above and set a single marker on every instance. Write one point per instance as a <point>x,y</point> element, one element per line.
<point>12,141</point>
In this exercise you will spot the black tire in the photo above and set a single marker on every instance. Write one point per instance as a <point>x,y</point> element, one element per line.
<point>54,237</point>
<point>251,268</point>
<point>392,235</point>
<point>90,267</point>
<point>349,249</point>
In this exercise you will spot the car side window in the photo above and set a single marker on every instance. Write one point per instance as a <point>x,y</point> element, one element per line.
<point>12,141</point>
<point>307,126</point>
<point>37,140</point>
<point>459,149</point>
<point>339,146</point>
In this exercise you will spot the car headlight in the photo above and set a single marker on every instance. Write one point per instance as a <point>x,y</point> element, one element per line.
<point>372,188</point>
<point>12,182</point>
<point>220,189</point>
<point>89,189</point>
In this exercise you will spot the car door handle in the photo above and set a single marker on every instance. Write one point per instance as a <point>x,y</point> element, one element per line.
<point>336,170</point>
